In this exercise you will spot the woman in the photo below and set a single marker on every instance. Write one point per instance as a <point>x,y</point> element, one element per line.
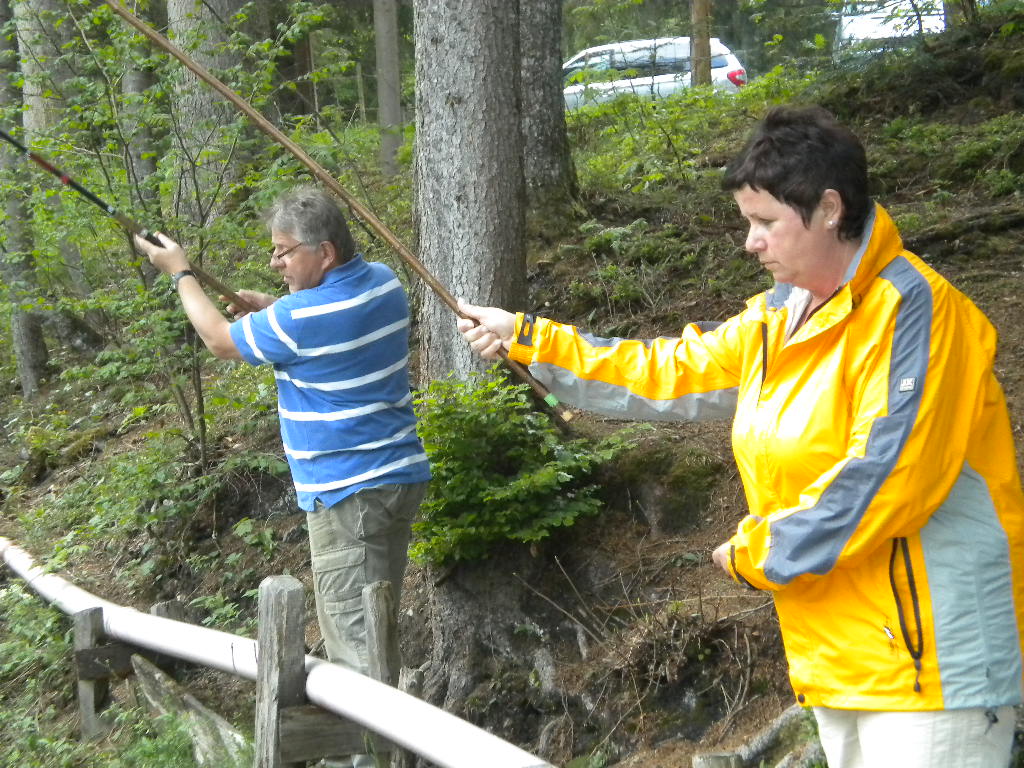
<point>874,445</point>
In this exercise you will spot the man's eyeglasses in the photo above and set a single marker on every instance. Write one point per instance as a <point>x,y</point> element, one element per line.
<point>275,254</point>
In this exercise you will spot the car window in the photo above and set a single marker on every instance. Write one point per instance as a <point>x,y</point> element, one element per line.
<point>599,61</point>
<point>636,63</point>
<point>671,65</point>
<point>587,69</point>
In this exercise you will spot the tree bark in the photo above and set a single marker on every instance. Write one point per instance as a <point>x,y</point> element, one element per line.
<point>201,115</point>
<point>470,192</point>
<point>140,149</point>
<point>546,161</point>
<point>45,40</point>
<point>16,267</point>
<point>389,85</point>
<point>40,42</point>
<point>44,37</point>
<point>700,43</point>
<point>473,616</point>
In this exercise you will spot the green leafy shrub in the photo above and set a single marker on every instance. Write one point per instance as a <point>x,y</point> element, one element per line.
<point>502,472</point>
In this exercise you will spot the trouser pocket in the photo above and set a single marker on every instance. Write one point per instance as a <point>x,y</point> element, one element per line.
<point>338,579</point>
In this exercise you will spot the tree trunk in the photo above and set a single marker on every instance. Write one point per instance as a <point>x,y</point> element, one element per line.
<point>140,150</point>
<point>470,192</point>
<point>700,42</point>
<point>44,36</point>
<point>200,114</point>
<point>389,86</point>
<point>40,42</point>
<point>473,616</point>
<point>546,162</point>
<point>45,39</point>
<point>16,268</point>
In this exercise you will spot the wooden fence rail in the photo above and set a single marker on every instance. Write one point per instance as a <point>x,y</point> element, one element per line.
<point>287,679</point>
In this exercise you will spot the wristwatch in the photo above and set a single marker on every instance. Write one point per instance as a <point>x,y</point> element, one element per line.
<point>176,277</point>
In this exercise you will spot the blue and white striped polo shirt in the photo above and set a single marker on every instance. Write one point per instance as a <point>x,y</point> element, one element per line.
<point>340,353</point>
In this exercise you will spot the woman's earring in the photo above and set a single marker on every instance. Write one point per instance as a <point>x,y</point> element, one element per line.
<point>831,224</point>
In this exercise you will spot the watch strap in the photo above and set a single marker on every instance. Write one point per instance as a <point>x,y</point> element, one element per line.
<point>176,277</point>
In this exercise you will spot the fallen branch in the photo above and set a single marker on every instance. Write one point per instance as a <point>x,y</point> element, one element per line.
<point>989,221</point>
<point>215,741</point>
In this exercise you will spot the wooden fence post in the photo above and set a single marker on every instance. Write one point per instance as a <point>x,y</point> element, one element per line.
<point>97,660</point>
<point>382,652</point>
<point>280,666</point>
<point>92,691</point>
<point>409,681</point>
<point>289,731</point>
<point>169,609</point>
<point>175,611</point>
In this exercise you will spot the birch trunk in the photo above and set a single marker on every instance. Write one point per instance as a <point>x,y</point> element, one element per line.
<point>16,267</point>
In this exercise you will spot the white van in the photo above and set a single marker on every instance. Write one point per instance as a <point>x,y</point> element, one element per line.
<point>648,68</point>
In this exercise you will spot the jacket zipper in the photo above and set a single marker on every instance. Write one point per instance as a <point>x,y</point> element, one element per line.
<point>916,649</point>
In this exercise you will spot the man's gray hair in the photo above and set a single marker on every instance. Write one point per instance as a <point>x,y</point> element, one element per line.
<point>312,216</point>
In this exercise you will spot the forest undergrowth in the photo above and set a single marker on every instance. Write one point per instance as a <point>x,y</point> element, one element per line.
<point>639,652</point>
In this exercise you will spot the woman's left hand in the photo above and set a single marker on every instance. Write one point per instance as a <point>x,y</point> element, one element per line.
<point>721,557</point>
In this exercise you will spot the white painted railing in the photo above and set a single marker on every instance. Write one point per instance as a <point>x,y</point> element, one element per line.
<point>405,720</point>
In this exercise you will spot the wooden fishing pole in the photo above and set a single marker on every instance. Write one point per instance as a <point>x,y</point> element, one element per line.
<point>361,211</point>
<point>128,223</point>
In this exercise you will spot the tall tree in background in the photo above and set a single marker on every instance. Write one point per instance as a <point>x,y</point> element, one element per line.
<point>208,152</point>
<point>546,160</point>
<point>44,39</point>
<point>16,268</point>
<point>470,193</point>
<point>700,42</point>
<point>389,85</point>
<point>43,32</point>
<point>140,147</point>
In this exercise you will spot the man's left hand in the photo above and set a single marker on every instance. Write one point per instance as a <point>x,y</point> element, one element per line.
<point>169,258</point>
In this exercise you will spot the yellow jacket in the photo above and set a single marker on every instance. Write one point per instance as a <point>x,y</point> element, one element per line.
<point>875,448</point>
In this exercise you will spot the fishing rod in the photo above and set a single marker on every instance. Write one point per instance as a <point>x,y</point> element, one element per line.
<point>129,224</point>
<point>360,211</point>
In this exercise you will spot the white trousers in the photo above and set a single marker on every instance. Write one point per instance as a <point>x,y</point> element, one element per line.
<point>955,738</point>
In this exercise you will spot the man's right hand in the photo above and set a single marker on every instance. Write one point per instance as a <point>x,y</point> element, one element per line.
<point>257,299</point>
<point>491,331</point>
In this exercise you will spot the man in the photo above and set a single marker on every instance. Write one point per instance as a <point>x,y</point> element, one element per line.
<point>339,346</point>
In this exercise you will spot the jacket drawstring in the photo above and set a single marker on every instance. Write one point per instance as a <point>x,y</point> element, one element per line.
<point>916,651</point>
<point>764,354</point>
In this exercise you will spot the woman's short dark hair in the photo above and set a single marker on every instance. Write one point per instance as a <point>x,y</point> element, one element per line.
<point>795,154</point>
<point>312,216</point>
